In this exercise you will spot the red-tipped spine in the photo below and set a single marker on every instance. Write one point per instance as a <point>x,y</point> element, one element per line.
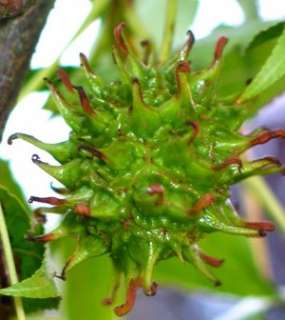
<point>205,201</point>
<point>125,308</point>
<point>64,77</point>
<point>219,49</point>
<point>214,262</point>
<point>266,136</point>
<point>85,63</point>
<point>94,151</point>
<point>48,200</point>
<point>188,45</point>
<point>230,161</point>
<point>263,226</point>
<point>43,238</point>
<point>119,40</point>
<point>156,189</point>
<point>84,101</point>
<point>82,209</point>
<point>196,129</point>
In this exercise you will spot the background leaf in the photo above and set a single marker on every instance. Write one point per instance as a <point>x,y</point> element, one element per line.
<point>28,255</point>
<point>239,274</point>
<point>91,281</point>
<point>40,286</point>
<point>272,71</point>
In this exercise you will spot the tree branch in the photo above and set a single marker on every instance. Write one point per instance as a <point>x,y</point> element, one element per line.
<point>18,38</point>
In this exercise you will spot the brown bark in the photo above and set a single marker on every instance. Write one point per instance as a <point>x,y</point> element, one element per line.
<point>18,38</point>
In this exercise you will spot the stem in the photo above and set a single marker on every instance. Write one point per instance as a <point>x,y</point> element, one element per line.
<point>10,264</point>
<point>168,30</point>
<point>260,189</point>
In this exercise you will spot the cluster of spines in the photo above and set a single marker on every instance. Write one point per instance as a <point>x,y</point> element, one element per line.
<point>146,122</point>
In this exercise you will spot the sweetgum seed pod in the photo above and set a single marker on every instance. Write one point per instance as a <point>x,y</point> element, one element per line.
<point>149,165</point>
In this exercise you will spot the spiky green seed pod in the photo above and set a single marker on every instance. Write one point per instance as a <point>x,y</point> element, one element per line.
<point>149,164</point>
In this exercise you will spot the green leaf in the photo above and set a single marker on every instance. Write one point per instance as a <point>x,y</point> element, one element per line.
<point>18,220</point>
<point>239,274</point>
<point>28,255</point>
<point>40,285</point>
<point>87,285</point>
<point>273,70</point>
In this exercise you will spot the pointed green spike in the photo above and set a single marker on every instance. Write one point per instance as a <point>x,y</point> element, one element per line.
<point>68,174</point>
<point>72,119</point>
<point>95,81</point>
<point>62,151</point>
<point>191,254</point>
<point>87,247</point>
<point>259,167</point>
<point>145,120</point>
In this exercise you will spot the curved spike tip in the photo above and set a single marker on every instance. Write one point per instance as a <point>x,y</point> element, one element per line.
<point>125,308</point>
<point>48,200</point>
<point>188,45</point>
<point>266,136</point>
<point>219,49</point>
<point>13,137</point>
<point>85,63</point>
<point>119,40</point>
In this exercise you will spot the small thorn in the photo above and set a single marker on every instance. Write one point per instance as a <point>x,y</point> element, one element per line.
<point>137,91</point>
<point>64,77</point>
<point>82,209</point>
<point>220,45</point>
<point>39,216</point>
<point>48,200</point>
<point>188,45</point>
<point>205,201</point>
<point>36,158</point>
<point>119,40</point>
<point>152,291</point>
<point>156,189</point>
<point>58,190</point>
<point>183,66</point>
<point>146,45</point>
<point>181,72</point>
<point>214,262</point>
<point>196,129</point>
<point>266,136</point>
<point>43,238</point>
<point>125,308</point>
<point>95,152</point>
<point>110,300</point>
<point>85,62</point>
<point>12,138</point>
<point>270,159</point>
<point>263,226</point>
<point>84,100</point>
<point>228,162</point>
<point>59,276</point>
